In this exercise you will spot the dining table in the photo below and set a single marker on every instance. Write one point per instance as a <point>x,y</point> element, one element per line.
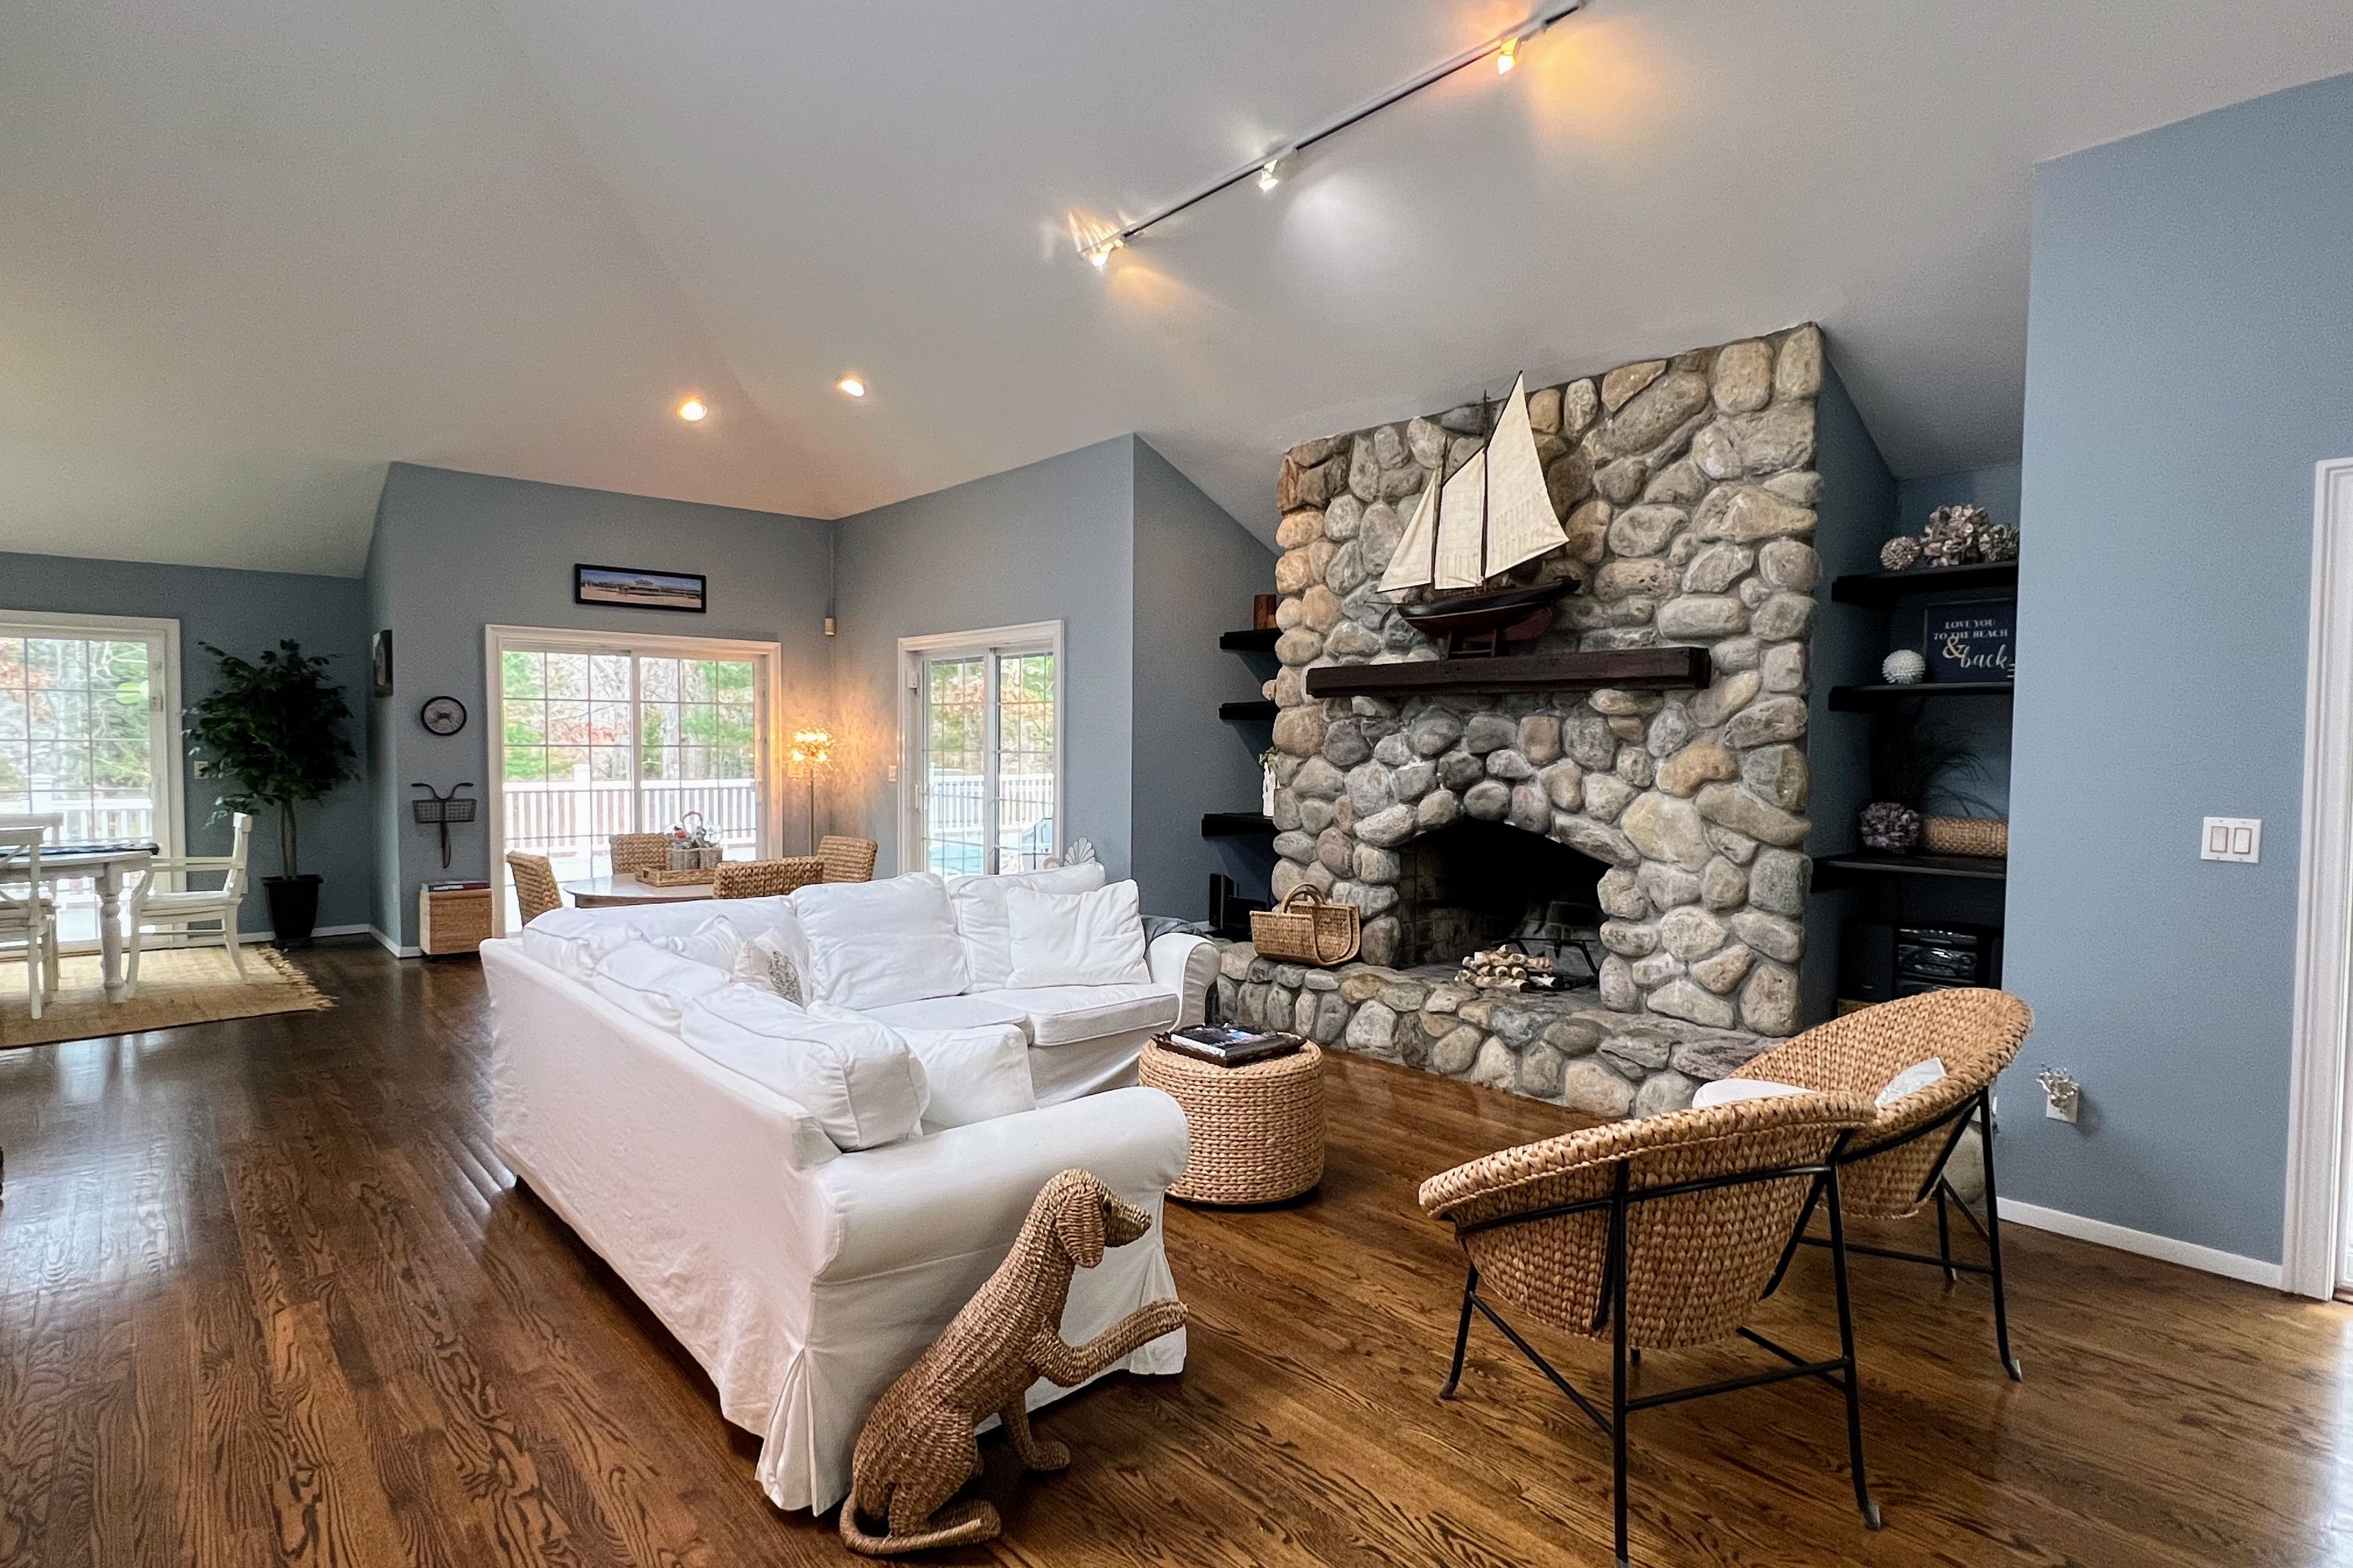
<point>109,866</point>
<point>624,891</point>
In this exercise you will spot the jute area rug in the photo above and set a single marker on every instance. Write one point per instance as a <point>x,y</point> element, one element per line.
<point>177,986</point>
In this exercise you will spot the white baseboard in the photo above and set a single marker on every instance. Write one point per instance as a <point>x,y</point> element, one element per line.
<point>2188,1254</point>
<point>392,946</point>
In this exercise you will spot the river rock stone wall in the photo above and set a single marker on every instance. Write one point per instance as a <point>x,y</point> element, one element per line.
<point>1687,489</point>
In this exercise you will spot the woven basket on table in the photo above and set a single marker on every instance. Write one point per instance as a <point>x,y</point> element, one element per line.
<point>1988,836</point>
<point>1254,1134</point>
<point>1307,928</point>
<point>764,878</point>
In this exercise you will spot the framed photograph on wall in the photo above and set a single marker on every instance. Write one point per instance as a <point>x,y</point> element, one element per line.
<point>380,662</point>
<point>1971,642</point>
<point>639,588</point>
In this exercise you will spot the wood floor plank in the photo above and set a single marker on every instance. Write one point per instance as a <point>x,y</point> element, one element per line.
<point>268,1297</point>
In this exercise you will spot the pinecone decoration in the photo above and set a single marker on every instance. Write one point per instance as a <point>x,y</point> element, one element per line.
<point>1899,552</point>
<point>1952,535</point>
<point>1889,828</point>
<point>1998,542</point>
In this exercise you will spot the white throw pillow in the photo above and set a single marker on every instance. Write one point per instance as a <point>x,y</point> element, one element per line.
<point>656,985</point>
<point>856,1077</point>
<point>766,963</point>
<point>874,943</point>
<point>714,942</point>
<point>981,919</point>
<point>573,941</point>
<point>1733,1090</point>
<point>976,1075</point>
<point>1911,1080</point>
<point>1077,939</point>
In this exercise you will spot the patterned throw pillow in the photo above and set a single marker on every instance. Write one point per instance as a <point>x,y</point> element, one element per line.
<point>762,962</point>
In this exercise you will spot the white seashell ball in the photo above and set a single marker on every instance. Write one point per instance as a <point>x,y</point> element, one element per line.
<point>1904,666</point>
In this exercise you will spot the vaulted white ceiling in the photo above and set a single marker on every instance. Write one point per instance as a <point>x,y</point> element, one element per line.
<point>253,249</point>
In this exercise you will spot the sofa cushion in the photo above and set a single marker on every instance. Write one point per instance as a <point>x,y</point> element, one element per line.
<point>656,984</point>
<point>874,943</point>
<point>970,1012</point>
<point>975,1075</point>
<point>1076,939</point>
<point>982,922</point>
<point>1065,1015</point>
<point>859,1078</point>
<point>572,942</point>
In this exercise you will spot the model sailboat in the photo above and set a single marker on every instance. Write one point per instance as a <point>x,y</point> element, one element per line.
<point>1493,513</point>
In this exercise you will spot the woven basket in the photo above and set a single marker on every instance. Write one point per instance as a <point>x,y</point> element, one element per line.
<point>1307,929</point>
<point>1988,836</point>
<point>665,876</point>
<point>1254,1134</point>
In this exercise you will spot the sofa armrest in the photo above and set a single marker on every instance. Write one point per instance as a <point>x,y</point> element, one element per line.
<point>968,1189</point>
<point>1187,965</point>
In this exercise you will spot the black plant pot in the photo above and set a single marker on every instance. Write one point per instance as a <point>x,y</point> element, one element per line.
<point>293,909</point>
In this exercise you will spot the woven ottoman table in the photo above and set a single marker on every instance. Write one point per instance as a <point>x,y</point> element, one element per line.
<point>1255,1132</point>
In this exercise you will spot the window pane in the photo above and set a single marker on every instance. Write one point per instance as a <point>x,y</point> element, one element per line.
<point>955,733</point>
<point>1025,791</point>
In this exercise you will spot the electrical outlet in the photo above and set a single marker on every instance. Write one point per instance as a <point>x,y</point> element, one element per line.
<point>201,767</point>
<point>2237,838</point>
<point>892,770</point>
<point>2057,1111</point>
<point>2063,1097</point>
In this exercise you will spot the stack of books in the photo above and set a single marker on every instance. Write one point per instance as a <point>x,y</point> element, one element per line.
<point>1228,1045</point>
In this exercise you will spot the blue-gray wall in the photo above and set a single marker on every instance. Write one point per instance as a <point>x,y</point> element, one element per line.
<point>244,613</point>
<point>1050,541</point>
<point>2190,358</point>
<point>454,552</point>
<point>1196,571</point>
<point>1994,487</point>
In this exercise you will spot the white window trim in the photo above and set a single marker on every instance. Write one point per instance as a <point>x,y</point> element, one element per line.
<point>163,702</point>
<point>912,652</point>
<point>496,639</point>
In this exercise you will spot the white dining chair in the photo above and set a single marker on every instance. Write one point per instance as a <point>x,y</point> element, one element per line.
<point>29,921</point>
<point>154,904</point>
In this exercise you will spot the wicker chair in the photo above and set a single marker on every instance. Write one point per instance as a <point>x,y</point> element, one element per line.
<point>1893,1167</point>
<point>764,878</point>
<point>534,884</point>
<point>1657,1233</point>
<point>635,852</point>
<point>846,860</point>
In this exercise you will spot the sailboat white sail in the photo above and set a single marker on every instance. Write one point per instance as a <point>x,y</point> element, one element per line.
<point>1491,515</point>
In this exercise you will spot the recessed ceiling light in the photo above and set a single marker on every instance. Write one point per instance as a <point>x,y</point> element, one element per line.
<point>693,410</point>
<point>1507,56</point>
<point>852,386</point>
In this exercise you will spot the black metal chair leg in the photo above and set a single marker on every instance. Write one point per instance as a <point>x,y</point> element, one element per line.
<point>1945,1234</point>
<point>1853,1375</point>
<point>1993,1241</point>
<point>1461,1337</point>
<point>1618,1249</point>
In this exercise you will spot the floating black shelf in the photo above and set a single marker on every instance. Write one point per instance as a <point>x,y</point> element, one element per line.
<point>1260,710</point>
<point>1255,641</point>
<point>1833,872</point>
<point>1864,699</point>
<point>1236,823</point>
<point>1883,588</point>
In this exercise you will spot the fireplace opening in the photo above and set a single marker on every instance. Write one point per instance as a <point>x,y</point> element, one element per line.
<point>1476,885</point>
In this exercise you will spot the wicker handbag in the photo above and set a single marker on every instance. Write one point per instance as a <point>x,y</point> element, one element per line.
<point>1307,929</point>
<point>1987,835</point>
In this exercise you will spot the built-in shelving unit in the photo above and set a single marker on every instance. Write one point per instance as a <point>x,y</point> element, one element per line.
<point>1883,588</point>
<point>1864,699</point>
<point>1236,824</point>
<point>1845,870</point>
<point>1263,712</point>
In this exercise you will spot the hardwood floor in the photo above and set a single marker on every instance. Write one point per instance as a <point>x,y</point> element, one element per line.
<point>266,1295</point>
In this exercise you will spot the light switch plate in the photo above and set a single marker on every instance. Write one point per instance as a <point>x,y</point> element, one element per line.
<point>2232,839</point>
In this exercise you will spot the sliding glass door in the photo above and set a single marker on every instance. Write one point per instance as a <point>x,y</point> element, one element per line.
<point>88,731</point>
<point>597,739</point>
<point>984,750</point>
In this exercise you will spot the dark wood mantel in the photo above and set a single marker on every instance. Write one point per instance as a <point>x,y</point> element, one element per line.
<point>1632,668</point>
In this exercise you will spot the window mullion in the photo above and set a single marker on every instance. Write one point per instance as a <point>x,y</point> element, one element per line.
<point>990,781</point>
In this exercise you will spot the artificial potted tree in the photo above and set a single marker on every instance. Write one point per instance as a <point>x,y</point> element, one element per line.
<point>272,729</point>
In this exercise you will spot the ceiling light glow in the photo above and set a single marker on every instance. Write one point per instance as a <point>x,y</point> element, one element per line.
<point>852,386</point>
<point>693,410</point>
<point>1507,56</point>
<point>1270,173</point>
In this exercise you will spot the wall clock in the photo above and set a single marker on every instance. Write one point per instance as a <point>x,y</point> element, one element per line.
<point>442,715</point>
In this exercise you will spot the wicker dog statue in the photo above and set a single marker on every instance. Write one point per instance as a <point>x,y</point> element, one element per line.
<point>919,1446</point>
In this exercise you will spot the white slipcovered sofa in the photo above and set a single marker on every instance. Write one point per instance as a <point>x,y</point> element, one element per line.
<point>805,1194</point>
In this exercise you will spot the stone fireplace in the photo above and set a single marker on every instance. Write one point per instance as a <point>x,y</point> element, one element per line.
<point>1667,815</point>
